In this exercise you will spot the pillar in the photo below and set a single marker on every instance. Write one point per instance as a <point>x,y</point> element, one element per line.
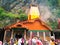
<point>25,37</point>
<point>25,34</point>
<point>54,36</point>
<point>30,34</point>
<point>12,35</point>
<point>30,43</point>
<point>50,35</point>
<point>4,37</point>
<point>38,34</point>
<point>44,36</point>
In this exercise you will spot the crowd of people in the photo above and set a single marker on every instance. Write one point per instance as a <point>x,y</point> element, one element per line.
<point>31,41</point>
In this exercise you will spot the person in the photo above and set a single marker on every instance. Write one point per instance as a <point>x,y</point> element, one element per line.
<point>52,42</point>
<point>27,41</point>
<point>58,43</point>
<point>0,42</point>
<point>5,43</point>
<point>21,40</point>
<point>34,41</point>
<point>30,41</point>
<point>11,41</point>
<point>16,42</point>
<point>38,42</point>
<point>46,42</point>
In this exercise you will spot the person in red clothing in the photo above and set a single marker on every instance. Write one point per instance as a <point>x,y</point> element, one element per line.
<point>38,42</point>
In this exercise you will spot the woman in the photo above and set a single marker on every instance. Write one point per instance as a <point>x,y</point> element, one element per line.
<point>38,42</point>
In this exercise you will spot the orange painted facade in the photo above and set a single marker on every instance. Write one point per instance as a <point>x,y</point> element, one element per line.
<point>30,25</point>
<point>36,25</point>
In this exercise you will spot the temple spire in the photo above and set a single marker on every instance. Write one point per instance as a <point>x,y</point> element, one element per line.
<point>33,12</point>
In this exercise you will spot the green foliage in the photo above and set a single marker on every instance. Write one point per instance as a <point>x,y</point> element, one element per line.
<point>58,2</point>
<point>1,10</point>
<point>23,17</point>
<point>7,18</point>
<point>52,3</point>
<point>11,15</point>
<point>21,11</point>
<point>5,14</point>
<point>54,7</point>
<point>2,13</point>
<point>53,24</point>
<point>56,12</point>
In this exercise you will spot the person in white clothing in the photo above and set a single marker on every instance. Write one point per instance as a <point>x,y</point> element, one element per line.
<point>34,41</point>
<point>21,40</point>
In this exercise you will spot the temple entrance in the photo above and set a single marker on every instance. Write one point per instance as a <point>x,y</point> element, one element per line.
<point>14,33</point>
<point>18,33</point>
<point>57,35</point>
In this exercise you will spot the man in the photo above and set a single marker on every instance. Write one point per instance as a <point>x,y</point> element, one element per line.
<point>34,41</point>
<point>21,40</point>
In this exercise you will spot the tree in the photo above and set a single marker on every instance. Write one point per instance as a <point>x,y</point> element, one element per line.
<point>52,24</point>
<point>56,12</point>
<point>23,17</point>
<point>7,18</point>
<point>58,3</point>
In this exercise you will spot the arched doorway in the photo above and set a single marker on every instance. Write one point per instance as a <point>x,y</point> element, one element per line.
<point>15,33</point>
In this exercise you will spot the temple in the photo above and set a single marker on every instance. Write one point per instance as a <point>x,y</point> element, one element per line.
<point>34,26</point>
